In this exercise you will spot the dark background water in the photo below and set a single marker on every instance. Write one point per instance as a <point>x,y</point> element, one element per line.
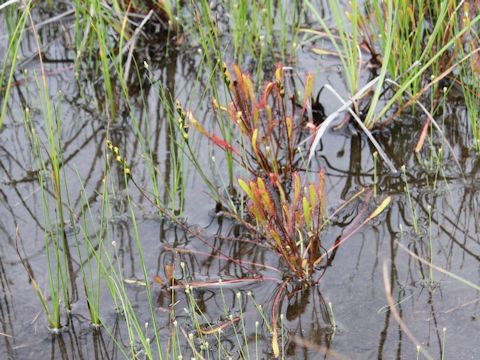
<point>353,282</point>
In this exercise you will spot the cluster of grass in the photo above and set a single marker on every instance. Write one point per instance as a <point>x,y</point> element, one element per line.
<point>414,45</point>
<point>423,50</point>
<point>104,39</point>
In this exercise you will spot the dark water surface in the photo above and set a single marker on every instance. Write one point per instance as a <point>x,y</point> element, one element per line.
<point>442,313</point>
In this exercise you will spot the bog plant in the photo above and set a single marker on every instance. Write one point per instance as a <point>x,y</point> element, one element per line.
<point>284,207</point>
<point>291,225</point>
<point>269,128</point>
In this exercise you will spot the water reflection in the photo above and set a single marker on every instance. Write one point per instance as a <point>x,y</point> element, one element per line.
<point>445,203</point>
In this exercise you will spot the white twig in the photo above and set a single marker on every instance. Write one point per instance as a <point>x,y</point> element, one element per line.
<point>9,2</point>
<point>326,123</point>
<point>131,43</point>
<point>366,131</point>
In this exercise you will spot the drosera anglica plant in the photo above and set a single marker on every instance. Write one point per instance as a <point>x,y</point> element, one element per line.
<point>269,128</point>
<point>287,210</point>
<point>291,224</point>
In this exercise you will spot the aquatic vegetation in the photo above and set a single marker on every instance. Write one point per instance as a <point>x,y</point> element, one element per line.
<point>121,127</point>
<point>288,212</point>
<point>291,224</point>
<point>270,126</point>
<point>417,44</point>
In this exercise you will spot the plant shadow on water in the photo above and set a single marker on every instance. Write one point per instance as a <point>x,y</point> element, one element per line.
<point>185,264</point>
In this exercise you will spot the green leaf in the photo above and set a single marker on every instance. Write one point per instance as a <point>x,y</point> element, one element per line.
<point>245,188</point>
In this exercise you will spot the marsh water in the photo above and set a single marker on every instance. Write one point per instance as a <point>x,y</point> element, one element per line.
<point>439,311</point>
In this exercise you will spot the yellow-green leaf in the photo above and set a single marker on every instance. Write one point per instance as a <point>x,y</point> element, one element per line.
<point>245,188</point>
<point>380,208</point>
<point>254,141</point>
<point>275,348</point>
<point>255,117</point>
<point>324,52</point>
<point>268,110</point>
<point>296,189</point>
<point>279,74</point>
<point>308,90</point>
<point>306,212</point>
<point>289,123</point>
<point>249,87</point>
<point>265,197</point>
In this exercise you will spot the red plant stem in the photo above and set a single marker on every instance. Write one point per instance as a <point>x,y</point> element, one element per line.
<point>275,303</point>
<point>350,234</point>
<point>217,283</point>
<point>221,257</point>
<point>362,211</point>
<point>341,241</point>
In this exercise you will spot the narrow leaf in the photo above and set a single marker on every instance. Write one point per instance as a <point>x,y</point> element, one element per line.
<point>423,136</point>
<point>308,90</point>
<point>306,212</point>
<point>275,348</point>
<point>379,209</point>
<point>245,188</point>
